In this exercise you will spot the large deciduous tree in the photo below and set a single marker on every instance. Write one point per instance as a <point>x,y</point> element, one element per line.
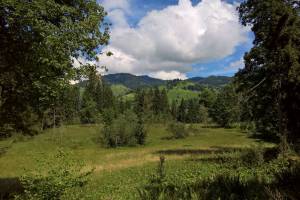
<point>39,41</point>
<point>270,80</point>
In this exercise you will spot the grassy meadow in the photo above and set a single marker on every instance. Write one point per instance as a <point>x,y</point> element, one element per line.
<point>118,172</point>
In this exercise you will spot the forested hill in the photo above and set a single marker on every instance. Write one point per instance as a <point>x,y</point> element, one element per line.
<point>133,82</point>
<point>211,80</point>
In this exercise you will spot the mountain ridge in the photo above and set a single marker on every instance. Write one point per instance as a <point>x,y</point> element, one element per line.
<point>133,81</point>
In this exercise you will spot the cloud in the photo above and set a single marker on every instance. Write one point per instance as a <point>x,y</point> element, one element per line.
<point>235,65</point>
<point>111,5</point>
<point>170,40</point>
<point>168,75</point>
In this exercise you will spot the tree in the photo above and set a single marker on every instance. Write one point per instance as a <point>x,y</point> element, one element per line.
<point>124,130</point>
<point>139,102</point>
<point>164,102</point>
<point>39,42</point>
<point>270,80</point>
<point>174,109</point>
<point>226,108</point>
<point>192,111</point>
<point>207,98</point>
<point>156,107</point>
<point>140,132</point>
<point>203,115</point>
<point>181,116</point>
<point>88,111</point>
<point>108,97</point>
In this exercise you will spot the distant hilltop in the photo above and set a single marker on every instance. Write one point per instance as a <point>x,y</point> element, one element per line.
<point>133,82</point>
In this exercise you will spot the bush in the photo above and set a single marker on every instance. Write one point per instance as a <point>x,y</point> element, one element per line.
<point>125,130</point>
<point>253,156</point>
<point>248,127</point>
<point>54,178</point>
<point>140,132</point>
<point>178,130</point>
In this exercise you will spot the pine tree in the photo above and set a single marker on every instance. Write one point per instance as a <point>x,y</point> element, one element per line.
<point>140,132</point>
<point>156,107</point>
<point>164,102</point>
<point>139,101</point>
<point>174,109</point>
<point>88,111</point>
<point>181,116</point>
<point>203,115</point>
<point>192,111</point>
<point>108,97</point>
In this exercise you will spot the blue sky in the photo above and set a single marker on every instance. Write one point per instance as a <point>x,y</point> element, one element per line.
<point>175,38</point>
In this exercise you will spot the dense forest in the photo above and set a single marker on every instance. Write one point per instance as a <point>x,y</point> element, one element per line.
<point>250,122</point>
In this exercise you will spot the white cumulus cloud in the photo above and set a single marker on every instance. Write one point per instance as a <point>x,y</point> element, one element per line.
<point>235,65</point>
<point>168,75</point>
<point>165,42</point>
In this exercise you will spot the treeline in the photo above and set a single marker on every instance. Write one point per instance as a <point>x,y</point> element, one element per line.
<point>212,105</point>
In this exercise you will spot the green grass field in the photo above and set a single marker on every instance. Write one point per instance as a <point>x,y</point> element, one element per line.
<point>118,172</point>
<point>119,90</point>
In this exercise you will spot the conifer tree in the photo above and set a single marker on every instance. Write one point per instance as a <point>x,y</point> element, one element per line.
<point>156,107</point>
<point>174,109</point>
<point>164,102</point>
<point>181,116</point>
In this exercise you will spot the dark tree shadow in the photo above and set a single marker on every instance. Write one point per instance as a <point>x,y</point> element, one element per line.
<point>10,187</point>
<point>265,137</point>
<point>214,149</point>
<point>3,150</point>
<point>269,153</point>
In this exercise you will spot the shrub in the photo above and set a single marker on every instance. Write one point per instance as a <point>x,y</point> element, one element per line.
<point>140,132</point>
<point>248,127</point>
<point>54,178</point>
<point>178,130</point>
<point>253,156</point>
<point>125,130</point>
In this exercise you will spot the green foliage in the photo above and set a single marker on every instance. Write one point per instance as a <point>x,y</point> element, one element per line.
<point>132,81</point>
<point>253,156</point>
<point>119,90</point>
<point>203,115</point>
<point>270,80</point>
<point>40,41</point>
<point>277,178</point>
<point>152,104</point>
<point>120,171</point>
<point>155,185</point>
<point>125,130</point>
<point>140,132</point>
<point>226,107</point>
<point>178,130</point>
<point>220,186</point>
<point>88,111</point>
<point>55,177</point>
